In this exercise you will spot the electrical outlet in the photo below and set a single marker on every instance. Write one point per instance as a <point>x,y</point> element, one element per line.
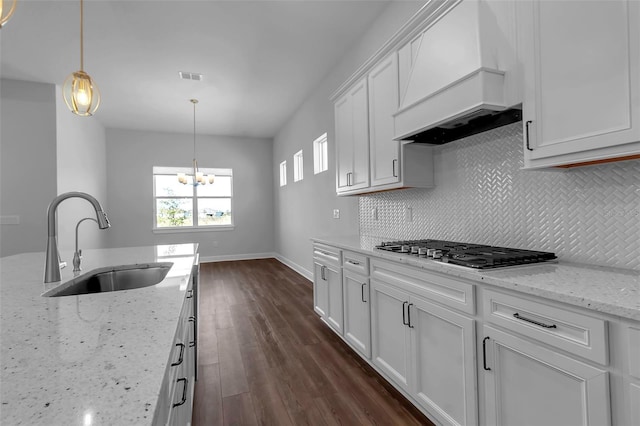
<point>336,213</point>
<point>408,214</point>
<point>374,213</point>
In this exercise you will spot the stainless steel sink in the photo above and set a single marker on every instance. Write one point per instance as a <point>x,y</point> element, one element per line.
<point>125,277</point>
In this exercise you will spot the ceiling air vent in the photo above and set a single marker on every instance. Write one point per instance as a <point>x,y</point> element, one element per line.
<point>184,75</point>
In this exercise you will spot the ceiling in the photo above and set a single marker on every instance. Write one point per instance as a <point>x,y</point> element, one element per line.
<point>260,59</point>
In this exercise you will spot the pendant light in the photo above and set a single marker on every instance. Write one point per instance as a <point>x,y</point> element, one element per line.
<point>5,13</point>
<point>198,177</point>
<point>79,91</point>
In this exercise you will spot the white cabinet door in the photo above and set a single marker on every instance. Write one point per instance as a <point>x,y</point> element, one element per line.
<point>383,103</point>
<point>527,384</point>
<point>352,139</point>
<point>357,325</point>
<point>443,346</point>
<point>320,290</point>
<point>335,310</point>
<point>390,334</point>
<point>581,62</point>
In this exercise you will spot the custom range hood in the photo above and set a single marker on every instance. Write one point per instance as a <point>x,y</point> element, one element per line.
<point>458,76</point>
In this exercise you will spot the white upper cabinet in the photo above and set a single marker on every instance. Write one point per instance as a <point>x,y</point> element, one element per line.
<point>383,103</point>
<point>352,139</point>
<point>581,80</point>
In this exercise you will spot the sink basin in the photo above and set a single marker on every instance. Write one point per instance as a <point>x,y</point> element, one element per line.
<point>115,278</point>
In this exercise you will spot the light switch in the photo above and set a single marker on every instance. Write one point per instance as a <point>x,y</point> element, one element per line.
<point>336,213</point>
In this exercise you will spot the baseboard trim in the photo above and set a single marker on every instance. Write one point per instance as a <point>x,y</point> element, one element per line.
<point>299,269</point>
<point>227,258</point>
<point>231,257</point>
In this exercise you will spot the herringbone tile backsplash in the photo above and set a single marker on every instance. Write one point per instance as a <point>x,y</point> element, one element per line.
<point>587,215</point>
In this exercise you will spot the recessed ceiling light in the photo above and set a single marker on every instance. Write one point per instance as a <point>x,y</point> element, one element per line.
<point>184,75</point>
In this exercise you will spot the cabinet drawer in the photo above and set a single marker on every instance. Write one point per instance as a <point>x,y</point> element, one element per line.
<point>455,293</point>
<point>327,254</point>
<point>576,333</point>
<point>355,262</point>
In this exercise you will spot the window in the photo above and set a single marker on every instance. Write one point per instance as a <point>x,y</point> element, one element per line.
<point>320,157</point>
<point>177,206</point>
<point>298,171</point>
<point>283,173</point>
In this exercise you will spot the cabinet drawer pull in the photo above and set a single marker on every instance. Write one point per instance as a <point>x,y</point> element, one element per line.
<point>409,315</point>
<point>322,275</point>
<point>526,126</point>
<point>362,291</point>
<point>179,356</point>
<point>404,317</point>
<point>484,353</point>
<point>349,178</point>
<point>189,294</point>
<point>184,392</point>
<point>193,321</point>
<point>520,317</point>
<point>353,262</point>
<point>395,161</point>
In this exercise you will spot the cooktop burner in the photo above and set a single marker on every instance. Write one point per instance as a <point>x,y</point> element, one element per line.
<point>475,256</point>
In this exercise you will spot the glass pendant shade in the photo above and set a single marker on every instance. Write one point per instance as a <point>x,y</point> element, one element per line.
<point>7,7</point>
<point>81,94</point>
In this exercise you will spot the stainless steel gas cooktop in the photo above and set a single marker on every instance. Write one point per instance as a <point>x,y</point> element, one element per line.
<point>474,256</point>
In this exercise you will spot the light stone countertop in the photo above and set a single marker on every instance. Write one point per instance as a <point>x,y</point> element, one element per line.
<point>612,291</point>
<point>93,359</point>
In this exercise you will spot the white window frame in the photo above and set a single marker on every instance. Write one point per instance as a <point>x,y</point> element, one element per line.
<point>283,173</point>
<point>173,171</point>
<point>320,155</point>
<point>298,166</point>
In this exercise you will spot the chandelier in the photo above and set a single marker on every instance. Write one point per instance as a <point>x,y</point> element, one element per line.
<point>198,177</point>
<point>79,91</point>
<point>6,12</point>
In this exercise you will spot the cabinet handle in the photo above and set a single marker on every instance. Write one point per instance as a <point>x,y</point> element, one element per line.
<point>184,392</point>
<point>362,292</point>
<point>521,318</point>
<point>193,321</point>
<point>409,315</point>
<point>484,353</point>
<point>179,356</point>
<point>349,176</point>
<point>393,165</point>
<point>404,317</point>
<point>353,262</point>
<point>322,273</point>
<point>526,126</point>
<point>189,294</point>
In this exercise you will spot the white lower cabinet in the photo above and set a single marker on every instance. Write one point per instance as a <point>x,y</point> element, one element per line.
<point>357,323</point>
<point>427,350</point>
<point>390,335</point>
<point>528,384</point>
<point>327,285</point>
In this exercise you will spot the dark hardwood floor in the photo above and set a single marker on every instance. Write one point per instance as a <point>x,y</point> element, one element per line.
<point>266,358</point>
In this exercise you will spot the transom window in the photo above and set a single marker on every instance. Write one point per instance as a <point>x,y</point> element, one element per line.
<point>283,173</point>
<point>298,169</point>
<point>320,155</point>
<point>180,207</point>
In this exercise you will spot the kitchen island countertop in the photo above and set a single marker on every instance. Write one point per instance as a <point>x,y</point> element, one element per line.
<point>612,291</point>
<point>89,359</point>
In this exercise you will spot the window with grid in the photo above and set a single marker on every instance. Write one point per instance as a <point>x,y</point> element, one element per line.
<point>180,207</point>
<point>320,156</point>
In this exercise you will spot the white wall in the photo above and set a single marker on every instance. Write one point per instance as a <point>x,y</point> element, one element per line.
<point>27,163</point>
<point>305,209</point>
<point>82,166</point>
<point>131,156</point>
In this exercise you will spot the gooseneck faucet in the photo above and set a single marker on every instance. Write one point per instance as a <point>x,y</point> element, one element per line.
<point>52,258</point>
